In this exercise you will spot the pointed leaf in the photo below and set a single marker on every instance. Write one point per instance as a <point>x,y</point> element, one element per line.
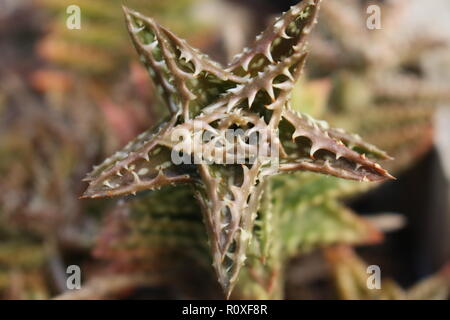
<point>229,197</point>
<point>187,79</point>
<point>144,164</point>
<point>279,40</point>
<point>312,146</point>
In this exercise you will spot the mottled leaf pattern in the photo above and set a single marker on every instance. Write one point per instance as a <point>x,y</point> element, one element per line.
<point>144,164</point>
<point>187,79</point>
<point>251,94</point>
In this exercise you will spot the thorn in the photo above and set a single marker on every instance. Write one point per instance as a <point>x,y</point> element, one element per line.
<point>251,98</point>
<point>198,70</point>
<point>187,56</point>
<point>390,176</point>
<point>295,10</point>
<point>236,89</point>
<point>230,255</point>
<point>136,177</point>
<point>287,85</point>
<point>273,106</point>
<point>284,35</point>
<point>297,133</point>
<point>268,54</point>
<point>288,74</point>
<point>246,63</point>
<point>143,171</point>
<point>136,30</point>
<point>313,150</point>
<point>160,63</point>
<point>107,184</point>
<point>269,90</point>
<point>279,24</point>
<point>232,103</point>
<point>151,46</point>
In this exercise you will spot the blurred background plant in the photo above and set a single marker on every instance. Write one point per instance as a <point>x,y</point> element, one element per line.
<point>69,98</point>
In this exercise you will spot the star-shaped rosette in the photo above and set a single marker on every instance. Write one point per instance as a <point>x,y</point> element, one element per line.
<point>251,95</point>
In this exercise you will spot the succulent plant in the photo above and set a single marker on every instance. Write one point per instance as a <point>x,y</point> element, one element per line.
<point>98,48</point>
<point>300,213</point>
<point>40,164</point>
<point>22,264</point>
<point>46,144</point>
<point>96,55</point>
<point>44,147</point>
<point>350,275</point>
<point>404,131</point>
<point>383,85</point>
<point>252,93</point>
